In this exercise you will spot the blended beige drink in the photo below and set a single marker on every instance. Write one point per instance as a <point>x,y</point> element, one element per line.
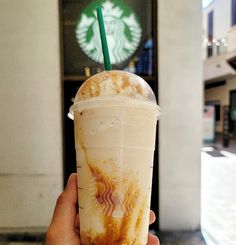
<point>115,115</point>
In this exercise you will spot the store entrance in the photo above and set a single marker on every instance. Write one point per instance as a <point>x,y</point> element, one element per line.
<point>232,117</point>
<point>78,65</point>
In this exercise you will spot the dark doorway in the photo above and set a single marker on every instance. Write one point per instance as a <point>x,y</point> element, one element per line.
<point>232,118</point>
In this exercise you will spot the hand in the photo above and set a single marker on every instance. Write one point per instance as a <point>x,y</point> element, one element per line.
<point>64,227</point>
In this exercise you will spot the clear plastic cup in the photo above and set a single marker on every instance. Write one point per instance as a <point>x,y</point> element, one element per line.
<point>115,115</point>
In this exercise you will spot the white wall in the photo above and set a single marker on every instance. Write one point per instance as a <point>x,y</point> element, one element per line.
<point>221,26</point>
<point>222,17</point>
<point>180,98</point>
<point>30,106</point>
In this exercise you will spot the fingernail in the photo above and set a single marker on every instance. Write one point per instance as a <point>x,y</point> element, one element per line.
<point>71,178</point>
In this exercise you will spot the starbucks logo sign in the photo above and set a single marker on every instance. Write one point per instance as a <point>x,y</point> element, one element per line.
<point>122,28</point>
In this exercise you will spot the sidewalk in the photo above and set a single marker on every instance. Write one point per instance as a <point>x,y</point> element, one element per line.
<point>219,194</point>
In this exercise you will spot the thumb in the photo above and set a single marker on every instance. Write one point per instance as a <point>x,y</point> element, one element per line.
<point>64,216</point>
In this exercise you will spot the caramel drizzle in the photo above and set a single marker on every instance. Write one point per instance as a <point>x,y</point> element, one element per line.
<point>116,229</point>
<point>92,86</point>
<point>104,190</point>
<point>128,203</point>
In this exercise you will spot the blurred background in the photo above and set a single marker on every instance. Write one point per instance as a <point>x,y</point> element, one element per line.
<point>185,50</point>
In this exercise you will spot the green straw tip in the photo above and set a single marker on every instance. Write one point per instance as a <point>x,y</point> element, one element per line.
<point>105,50</point>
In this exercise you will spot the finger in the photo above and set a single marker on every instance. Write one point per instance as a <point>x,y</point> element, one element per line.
<point>152,240</point>
<point>77,222</point>
<point>152,217</point>
<point>66,208</point>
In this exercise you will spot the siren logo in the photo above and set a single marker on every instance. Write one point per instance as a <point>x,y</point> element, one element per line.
<point>122,29</point>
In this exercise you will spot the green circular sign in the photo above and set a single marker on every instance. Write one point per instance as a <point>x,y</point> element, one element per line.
<point>123,31</point>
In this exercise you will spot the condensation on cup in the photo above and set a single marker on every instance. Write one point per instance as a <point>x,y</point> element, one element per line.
<point>115,115</point>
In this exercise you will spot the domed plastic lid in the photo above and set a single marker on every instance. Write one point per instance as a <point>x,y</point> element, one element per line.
<point>109,83</point>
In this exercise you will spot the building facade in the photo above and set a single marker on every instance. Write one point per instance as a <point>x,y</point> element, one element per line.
<point>219,59</point>
<point>31,145</point>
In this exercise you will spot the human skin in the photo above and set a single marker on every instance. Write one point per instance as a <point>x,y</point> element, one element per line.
<point>64,227</point>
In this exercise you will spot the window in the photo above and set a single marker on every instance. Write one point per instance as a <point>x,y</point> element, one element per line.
<point>233,12</point>
<point>210,33</point>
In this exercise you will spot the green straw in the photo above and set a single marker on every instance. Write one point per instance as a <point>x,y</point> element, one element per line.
<point>106,56</point>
